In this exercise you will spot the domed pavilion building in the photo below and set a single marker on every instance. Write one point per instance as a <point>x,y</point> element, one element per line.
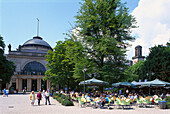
<point>30,62</point>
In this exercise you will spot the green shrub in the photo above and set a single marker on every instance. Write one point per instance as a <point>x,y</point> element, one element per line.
<point>68,98</point>
<point>59,99</point>
<point>168,101</point>
<point>63,96</point>
<point>64,100</point>
<point>59,94</point>
<point>54,96</point>
<point>67,103</point>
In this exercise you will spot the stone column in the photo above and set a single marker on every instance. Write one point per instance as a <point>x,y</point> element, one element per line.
<point>17,87</point>
<point>38,84</point>
<point>20,84</point>
<point>28,84</point>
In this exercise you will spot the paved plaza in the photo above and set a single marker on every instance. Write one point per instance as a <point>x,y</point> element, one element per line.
<point>20,104</point>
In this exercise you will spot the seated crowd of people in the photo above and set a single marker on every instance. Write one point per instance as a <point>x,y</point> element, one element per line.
<point>101,99</point>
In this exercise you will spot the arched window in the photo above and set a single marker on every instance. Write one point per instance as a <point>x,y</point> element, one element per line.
<point>34,68</point>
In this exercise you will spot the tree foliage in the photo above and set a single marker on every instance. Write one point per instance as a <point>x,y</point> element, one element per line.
<point>156,65</point>
<point>158,62</point>
<point>105,27</point>
<point>60,65</point>
<point>6,67</point>
<point>135,72</point>
<point>103,30</point>
<point>2,45</point>
<point>77,56</point>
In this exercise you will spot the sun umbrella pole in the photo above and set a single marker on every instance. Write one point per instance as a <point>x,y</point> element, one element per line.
<point>124,90</point>
<point>93,90</point>
<point>84,83</point>
<point>84,70</point>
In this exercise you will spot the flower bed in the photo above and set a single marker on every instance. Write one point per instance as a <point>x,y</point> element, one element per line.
<point>63,99</point>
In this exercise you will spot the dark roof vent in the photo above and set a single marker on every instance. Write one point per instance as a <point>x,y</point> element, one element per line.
<point>37,37</point>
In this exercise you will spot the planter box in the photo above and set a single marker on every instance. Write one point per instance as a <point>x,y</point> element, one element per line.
<point>162,104</point>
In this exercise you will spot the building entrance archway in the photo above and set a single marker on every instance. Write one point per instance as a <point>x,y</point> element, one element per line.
<point>24,84</point>
<point>43,85</point>
<point>34,85</point>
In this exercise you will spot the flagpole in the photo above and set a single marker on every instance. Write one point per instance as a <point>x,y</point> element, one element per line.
<point>37,27</point>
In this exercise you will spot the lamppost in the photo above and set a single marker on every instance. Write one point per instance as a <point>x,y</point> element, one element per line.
<point>84,71</point>
<point>150,74</point>
<point>147,75</point>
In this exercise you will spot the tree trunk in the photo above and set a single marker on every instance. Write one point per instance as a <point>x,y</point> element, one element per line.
<point>68,86</point>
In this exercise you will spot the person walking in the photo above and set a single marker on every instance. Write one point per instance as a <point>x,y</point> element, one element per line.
<point>23,91</point>
<point>4,92</point>
<point>32,97</point>
<point>47,95</point>
<point>39,97</point>
<point>49,91</point>
<point>7,91</point>
<point>43,93</point>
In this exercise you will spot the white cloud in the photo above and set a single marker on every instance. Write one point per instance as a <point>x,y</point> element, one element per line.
<point>153,19</point>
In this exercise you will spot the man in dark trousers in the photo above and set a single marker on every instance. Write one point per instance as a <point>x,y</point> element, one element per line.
<point>47,95</point>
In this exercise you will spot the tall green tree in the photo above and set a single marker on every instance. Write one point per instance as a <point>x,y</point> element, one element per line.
<point>2,45</point>
<point>77,57</point>
<point>157,64</point>
<point>6,67</point>
<point>105,27</point>
<point>60,65</point>
<point>135,72</point>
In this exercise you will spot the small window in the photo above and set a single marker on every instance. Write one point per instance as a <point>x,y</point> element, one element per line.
<point>28,73</point>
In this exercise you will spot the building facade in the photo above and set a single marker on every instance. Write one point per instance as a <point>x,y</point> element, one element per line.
<point>30,62</point>
<point>138,55</point>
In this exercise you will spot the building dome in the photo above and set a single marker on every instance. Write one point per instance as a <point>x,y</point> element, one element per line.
<point>37,41</point>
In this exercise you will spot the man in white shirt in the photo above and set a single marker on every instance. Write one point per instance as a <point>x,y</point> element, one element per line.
<point>47,95</point>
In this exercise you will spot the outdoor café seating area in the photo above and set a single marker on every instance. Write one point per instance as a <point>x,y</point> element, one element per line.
<point>109,100</point>
<point>123,98</point>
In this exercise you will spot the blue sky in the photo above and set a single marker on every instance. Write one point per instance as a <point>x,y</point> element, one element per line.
<point>18,19</point>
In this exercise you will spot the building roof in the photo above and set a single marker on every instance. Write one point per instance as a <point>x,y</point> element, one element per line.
<point>37,41</point>
<point>138,46</point>
<point>34,51</point>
